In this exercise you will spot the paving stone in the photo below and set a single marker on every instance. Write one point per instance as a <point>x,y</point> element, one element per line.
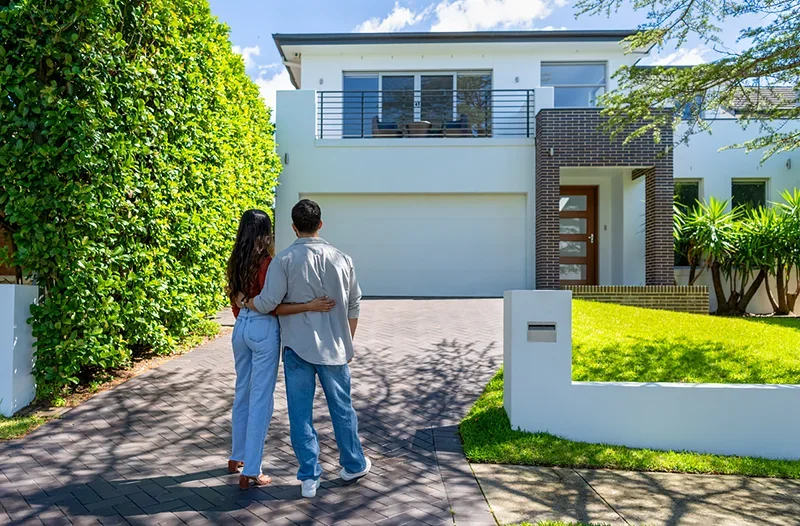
<point>154,449</point>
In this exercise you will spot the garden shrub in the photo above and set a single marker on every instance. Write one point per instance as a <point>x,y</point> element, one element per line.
<point>133,140</point>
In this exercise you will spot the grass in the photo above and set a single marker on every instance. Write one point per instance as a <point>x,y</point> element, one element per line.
<point>614,343</point>
<point>19,426</point>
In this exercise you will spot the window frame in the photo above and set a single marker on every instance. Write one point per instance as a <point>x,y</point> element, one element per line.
<point>678,181</point>
<point>604,85</point>
<point>418,74</point>
<point>752,180</point>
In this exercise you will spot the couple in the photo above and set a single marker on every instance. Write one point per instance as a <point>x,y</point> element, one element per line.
<point>311,286</point>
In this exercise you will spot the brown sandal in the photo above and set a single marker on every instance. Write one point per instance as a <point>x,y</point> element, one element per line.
<point>261,480</point>
<point>234,466</point>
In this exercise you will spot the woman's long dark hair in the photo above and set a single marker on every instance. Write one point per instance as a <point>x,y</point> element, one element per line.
<point>254,242</point>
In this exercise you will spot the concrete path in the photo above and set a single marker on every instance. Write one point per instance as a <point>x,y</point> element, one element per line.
<point>153,450</point>
<point>518,493</point>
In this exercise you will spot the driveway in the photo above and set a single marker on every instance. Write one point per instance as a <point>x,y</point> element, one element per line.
<point>154,450</point>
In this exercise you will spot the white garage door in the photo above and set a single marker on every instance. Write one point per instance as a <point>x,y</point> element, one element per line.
<point>430,245</point>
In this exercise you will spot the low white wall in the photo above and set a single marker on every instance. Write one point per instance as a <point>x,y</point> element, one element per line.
<point>540,396</point>
<point>760,303</point>
<point>17,386</point>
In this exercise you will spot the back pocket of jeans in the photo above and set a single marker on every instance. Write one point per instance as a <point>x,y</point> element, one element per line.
<point>260,329</point>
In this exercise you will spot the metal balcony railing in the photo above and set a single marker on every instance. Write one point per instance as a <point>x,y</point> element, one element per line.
<point>425,113</point>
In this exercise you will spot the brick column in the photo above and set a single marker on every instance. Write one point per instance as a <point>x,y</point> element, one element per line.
<point>659,242</point>
<point>548,190</point>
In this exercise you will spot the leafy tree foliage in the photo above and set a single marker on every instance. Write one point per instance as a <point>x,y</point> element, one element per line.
<point>132,141</point>
<point>742,249</point>
<point>753,80</point>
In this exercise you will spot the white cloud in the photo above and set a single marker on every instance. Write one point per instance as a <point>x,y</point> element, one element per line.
<point>247,54</point>
<point>472,15</point>
<point>399,18</point>
<point>683,57</point>
<point>269,84</point>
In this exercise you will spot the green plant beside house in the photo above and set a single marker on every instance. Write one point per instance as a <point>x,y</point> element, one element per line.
<point>742,249</point>
<point>136,141</point>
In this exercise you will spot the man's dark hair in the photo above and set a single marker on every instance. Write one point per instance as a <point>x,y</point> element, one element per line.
<point>306,216</point>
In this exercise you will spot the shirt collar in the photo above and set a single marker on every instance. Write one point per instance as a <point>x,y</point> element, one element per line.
<point>310,241</point>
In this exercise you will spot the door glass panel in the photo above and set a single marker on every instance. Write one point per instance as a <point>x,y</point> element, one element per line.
<point>572,225</point>
<point>572,272</point>
<point>360,102</point>
<point>574,249</point>
<point>436,100</point>
<point>573,203</point>
<point>474,111</point>
<point>397,102</point>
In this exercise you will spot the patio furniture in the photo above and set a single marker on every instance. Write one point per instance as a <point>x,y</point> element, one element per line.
<point>385,129</point>
<point>417,128</point>
<point>459,128</point>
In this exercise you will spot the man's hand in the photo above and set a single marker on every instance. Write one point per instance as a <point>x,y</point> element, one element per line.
<point>353,324</point>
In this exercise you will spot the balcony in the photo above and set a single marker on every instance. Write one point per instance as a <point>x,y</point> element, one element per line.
<point>421,114</point>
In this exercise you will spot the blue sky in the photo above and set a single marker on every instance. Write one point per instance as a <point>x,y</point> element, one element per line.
<point>253,22</point>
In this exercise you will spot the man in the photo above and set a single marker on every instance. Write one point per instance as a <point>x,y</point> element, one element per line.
<point>316,344</point>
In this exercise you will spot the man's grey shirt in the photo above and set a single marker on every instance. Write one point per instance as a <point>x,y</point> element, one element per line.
<point>310,268</point>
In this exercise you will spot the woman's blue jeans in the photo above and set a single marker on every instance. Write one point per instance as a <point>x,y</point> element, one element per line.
<point>256,356</point>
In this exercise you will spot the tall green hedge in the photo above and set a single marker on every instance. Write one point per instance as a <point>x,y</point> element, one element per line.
<point>132,140</point>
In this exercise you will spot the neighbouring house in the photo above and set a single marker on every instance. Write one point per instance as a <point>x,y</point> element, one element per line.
<point>467,164</point>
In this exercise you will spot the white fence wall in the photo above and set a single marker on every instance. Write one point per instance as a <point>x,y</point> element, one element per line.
<point>540,396</point>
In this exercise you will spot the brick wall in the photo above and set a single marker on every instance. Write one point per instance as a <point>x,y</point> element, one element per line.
<point>674,298</point>
<point>576,138</point>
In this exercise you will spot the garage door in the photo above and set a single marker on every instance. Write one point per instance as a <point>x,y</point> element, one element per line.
<point>430,245</point>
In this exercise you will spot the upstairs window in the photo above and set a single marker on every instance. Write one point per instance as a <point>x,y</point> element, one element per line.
<point>576,84</point>
<point>748,194</point>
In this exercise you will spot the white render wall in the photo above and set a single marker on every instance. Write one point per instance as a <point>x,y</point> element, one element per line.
<point>394,166</point>
<point>17,386</point>
<point>540,396</point>
<point>507,61</point>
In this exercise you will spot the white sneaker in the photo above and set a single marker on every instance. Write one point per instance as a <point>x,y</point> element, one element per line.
<point>347,476</point>
<point>309,488</point>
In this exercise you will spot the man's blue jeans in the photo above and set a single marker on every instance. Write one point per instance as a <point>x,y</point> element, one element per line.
<point>256,356</point>
<point>300,387</point>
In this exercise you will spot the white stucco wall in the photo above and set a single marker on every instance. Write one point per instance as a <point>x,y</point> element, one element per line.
<point>507,61</point>
<point>495,165</point>
<point>17,386</point>
<point>540,396</point>
<point>701,159</point>
<point>391,166</point>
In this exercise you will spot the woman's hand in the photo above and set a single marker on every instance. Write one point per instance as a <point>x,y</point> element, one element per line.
<point>323,304</point>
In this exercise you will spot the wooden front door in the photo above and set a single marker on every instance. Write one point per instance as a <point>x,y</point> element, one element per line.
<point>578,235</point>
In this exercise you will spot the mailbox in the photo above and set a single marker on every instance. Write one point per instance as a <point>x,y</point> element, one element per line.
<point>541,332</point>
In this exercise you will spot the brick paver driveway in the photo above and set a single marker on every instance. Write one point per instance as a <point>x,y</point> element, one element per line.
<point>154,449</point>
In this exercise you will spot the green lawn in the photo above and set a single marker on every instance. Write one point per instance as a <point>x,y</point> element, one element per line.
<point>613,343</point>
<point>18,426</point>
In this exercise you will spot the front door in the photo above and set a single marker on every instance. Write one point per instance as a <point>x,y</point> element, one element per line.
<point>578,235</point>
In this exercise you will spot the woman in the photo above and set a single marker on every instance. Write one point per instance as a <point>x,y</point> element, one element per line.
<point>256,346</point>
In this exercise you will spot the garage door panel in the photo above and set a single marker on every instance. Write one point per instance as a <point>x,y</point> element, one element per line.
<point>430,245</point>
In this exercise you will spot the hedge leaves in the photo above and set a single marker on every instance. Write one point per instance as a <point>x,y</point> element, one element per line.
<point>132,141</point>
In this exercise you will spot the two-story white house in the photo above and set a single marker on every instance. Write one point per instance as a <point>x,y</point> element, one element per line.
<point>467,164</point>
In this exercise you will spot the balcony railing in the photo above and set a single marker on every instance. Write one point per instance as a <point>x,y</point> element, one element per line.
<point>425,113</point>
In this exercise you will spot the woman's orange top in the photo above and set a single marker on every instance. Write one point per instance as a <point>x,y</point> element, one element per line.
<point>256,288</point>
